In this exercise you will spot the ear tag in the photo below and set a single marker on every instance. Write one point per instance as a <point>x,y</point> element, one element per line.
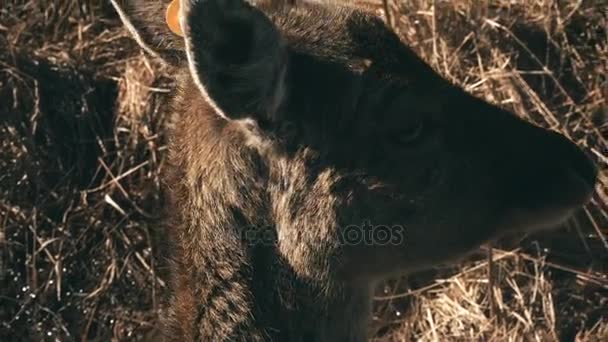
<point>172,18</point>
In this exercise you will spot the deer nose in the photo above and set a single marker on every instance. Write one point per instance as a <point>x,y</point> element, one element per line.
<point>579,163</point>
<point>562,173</point>
<point>544,169</point>
<point>579,170</point>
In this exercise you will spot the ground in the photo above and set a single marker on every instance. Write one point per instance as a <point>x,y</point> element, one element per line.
<point>82,144</point>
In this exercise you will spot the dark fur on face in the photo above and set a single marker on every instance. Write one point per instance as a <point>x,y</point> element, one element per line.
<point>299,125</point>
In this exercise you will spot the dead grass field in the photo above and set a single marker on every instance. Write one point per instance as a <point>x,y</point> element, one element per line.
<point>82,144</point>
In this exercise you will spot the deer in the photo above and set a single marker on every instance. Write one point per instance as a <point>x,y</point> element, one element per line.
<point>312,154</point>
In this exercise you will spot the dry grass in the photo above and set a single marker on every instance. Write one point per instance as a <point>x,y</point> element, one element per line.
<point>82,145</point>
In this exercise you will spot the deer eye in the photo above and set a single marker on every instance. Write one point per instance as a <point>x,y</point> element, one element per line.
<point>411,134</point>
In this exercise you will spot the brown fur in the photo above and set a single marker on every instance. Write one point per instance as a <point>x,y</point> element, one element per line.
<point>322,107</point>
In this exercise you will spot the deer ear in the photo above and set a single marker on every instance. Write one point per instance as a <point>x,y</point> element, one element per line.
<point>146,21</point>
<point>236,57</point>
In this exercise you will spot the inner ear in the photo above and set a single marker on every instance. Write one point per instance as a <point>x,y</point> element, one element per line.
<point>236,57</point>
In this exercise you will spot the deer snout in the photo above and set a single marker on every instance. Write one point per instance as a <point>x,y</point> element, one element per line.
<point>549,177</point>
<point>580,165</point>
<point>575,172</point>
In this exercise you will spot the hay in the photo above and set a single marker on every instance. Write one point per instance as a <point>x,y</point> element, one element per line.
<point>82,145</point>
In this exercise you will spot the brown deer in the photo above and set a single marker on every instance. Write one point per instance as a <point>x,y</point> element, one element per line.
<point>313,154</point>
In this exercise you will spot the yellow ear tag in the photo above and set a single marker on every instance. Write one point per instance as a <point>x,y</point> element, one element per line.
<point>172,18</point>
